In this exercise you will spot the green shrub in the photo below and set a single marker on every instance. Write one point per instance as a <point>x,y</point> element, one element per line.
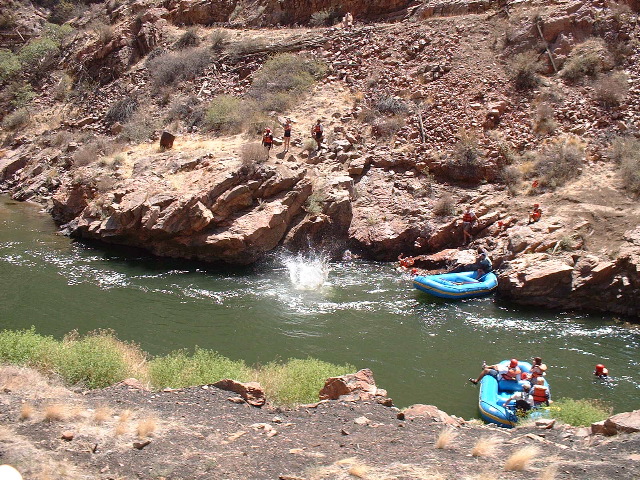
<point>524,70</point>
<point>315,203</point>
<point>179,369</point>
<point>169,68</point>
<point>16,119</point>
<point>224,114</point>
<point>587,60</point>
<point>57,33</point>
<point>9,65</point>
<point>37,55</point>
<point>298,381</point>
<point>188,39</point>
<point>24,347</point>
<point>560,162</point>
<point>95,361</point>
<point>285,75</point>
<point>579,413</point>
<point>611,90</point>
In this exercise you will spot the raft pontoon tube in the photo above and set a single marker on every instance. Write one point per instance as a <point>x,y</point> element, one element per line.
<point>457,285</point>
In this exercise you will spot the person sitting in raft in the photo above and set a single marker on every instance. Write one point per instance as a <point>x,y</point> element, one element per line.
<point>538,369</point>
<point>500,372</point>
<point>601,371</point>
<point>524,399</point>
<point>540,393</point>
<point>535,214</point>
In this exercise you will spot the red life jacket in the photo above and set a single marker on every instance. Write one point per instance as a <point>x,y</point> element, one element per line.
<point>267,139</point>
<point>540,393</point>
<point>317,128</point>
<point>511,374</point>
<point>467,217</point>
<point>287,128</point>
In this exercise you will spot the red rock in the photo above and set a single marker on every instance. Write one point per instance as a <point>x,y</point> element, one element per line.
<point>252,392</point>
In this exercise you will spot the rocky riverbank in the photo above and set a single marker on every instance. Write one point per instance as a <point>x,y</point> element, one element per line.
<point>422,117</point>
<point>203,432</point>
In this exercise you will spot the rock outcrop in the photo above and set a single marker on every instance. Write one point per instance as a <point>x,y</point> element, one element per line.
<point>358,386</point>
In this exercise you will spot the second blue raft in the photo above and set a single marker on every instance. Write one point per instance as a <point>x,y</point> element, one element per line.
<point>457,285</point>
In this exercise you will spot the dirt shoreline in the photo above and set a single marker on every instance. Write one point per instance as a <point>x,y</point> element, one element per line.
<point>202,432</point>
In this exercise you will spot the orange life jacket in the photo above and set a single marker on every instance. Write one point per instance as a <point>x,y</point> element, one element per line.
<point>317,128</point>
<point>467,217</point>
<point>540,393</point>
<point>287,128</point>
<point>511,374</point>
<point>267,139</point>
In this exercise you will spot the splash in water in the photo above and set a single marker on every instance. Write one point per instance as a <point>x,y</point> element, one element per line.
<point>307,273</point>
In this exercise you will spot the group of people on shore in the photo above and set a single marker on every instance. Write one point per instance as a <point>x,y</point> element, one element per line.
<point>317,133</point>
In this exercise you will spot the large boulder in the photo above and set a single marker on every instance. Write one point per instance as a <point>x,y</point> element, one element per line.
<point>357,386</point>
<point>627,422</point>
<point>252,392</point>
<point>429,412</point>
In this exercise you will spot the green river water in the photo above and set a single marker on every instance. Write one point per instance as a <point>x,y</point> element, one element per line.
<point>420,349</point>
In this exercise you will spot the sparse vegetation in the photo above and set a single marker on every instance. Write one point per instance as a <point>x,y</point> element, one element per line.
<point>387,127</point>
<point>444,206</point>
<point>580,413</point>
<point>188,39</point>
<point>587,60</point>
<point>544,123</point>
<point>511,176</point>
<point>625,151</point>
<point>172,67</point>
<point>218,39</point>
<point>524,70</point>
<point>611,90</point>
<point>16,119</point>
<point>224,114</point>
<point>122,110</point>
<point>519,460</point>
<point>466,153</point>
<point>446,436</point>
<point>560,162</point>
<point>9,65</point>
<point>253,154</point>
<point>321,18</point>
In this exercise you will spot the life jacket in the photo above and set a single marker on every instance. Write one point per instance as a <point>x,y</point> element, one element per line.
<point>511,374</point>
<point>287,128</point>
<point>406,262</point>
<point>536,372</point>
<point>268,138</point>
<point>540,394</point>
<point>467,217</point>
<point>536,214</point>
<point>317,128</point>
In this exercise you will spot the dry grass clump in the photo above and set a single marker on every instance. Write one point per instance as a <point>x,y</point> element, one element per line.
<point>146,427</point>
<point>122,110</point>
<point>444,206</point>
<point>123,423</point>
<point>26,411</point>
<point>102,414</point>
<point>54,413</point>
<point>519,460</point>
<point>625,151</point>
<point>560,162</point>
<point>544,122</point>
<point>611,90</point>
<point>512,177</point>
<point>387,127</point>
<point>524,69</point>
<point>173,67</point>
<point>466,153</point>
<point>446,436</point>
<point>253,153</point>
<point>218,39</point>
<point>587,60</point>
<point>485,446</point>
<point>188,39</point>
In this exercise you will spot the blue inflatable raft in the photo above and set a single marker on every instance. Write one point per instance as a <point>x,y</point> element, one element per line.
<point>457,285</point>
<point>493,394</point>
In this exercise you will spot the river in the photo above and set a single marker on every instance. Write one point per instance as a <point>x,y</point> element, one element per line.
<point>422,350</point>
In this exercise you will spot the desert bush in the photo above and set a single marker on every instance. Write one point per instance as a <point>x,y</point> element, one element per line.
<point>96,360</point>
<point>560,162</point>
<point>16,119</point>
<point>122,110</point>
<point>466,152</point>
<point>611,90</point>
<point>37,55</point>
<point>188,39</point>
<point>320,19</point>
<point>511,176</point>
<point>387,127</point>
<point>580,413</point>
<point>224,114</point>
<point>139,128</point>
<point>182,108</point>
<point>524,70</point>
<point>587,60</point>
<point>16,95</point>
<point>544,122</point>
<point>218,39</point>
<point>390,105</point>
<point>285,77</point>
<point>57,33</point>
<point>63,87</point>
<point>86,155</point>
<point>172,67</point>
<point>315,203</point>
<point>9,65</point>
<point>7,21</point>
<point>297,381</point>
<point>246,46</point>
<point>444,206</point>
<point>24,347</point>
<point>253,154</point>
<point>181,369</point>
<point>625,151</point>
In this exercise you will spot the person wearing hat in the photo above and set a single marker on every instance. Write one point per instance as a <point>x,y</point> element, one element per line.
<point>535,214</point>
<point>601,371</point>
<point>317,131</point>
<point>524,400</point>
<point>500,372</point>
<point>483,262</point>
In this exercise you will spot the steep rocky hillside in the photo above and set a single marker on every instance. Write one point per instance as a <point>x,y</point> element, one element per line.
<point>427,107</point>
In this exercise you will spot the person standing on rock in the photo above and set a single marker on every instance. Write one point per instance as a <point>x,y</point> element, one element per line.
<point>267,140</point>
<point>317,132</point>
<point>468,220</point>
<point>287,134</point>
